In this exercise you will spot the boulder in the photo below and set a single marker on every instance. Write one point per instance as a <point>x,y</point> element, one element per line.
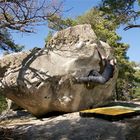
<point>45,80</point>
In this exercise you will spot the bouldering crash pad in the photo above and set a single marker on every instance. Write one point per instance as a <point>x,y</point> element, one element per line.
<point>111,113</point>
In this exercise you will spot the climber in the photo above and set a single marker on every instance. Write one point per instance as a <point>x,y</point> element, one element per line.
<point>96,77</point>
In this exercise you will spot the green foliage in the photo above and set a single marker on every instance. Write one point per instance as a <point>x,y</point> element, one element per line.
<point>3,104</point>
<point>126,80</point>
<point>49,36</point>
<point>137,82</point>
<point>122,12</point>
<point>56,22</point>
<point>137,92</point>
<point>6,43</point>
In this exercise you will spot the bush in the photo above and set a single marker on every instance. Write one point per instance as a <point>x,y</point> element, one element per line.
<point>3,104</point>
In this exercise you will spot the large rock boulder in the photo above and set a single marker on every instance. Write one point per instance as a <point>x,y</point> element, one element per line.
<point>43,80</point>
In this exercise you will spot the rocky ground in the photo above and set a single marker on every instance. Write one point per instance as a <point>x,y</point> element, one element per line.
<point>21,125</point>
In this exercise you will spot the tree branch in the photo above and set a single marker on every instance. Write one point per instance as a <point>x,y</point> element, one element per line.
<point>131,26</point>
<point>24,14</point>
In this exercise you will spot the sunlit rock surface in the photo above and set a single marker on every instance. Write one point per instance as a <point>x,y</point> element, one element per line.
<point>43,80</point>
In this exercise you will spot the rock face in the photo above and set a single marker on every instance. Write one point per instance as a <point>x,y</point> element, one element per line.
<point>43,80</point>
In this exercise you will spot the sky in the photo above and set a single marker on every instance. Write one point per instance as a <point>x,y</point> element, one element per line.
<point>78,7</point>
